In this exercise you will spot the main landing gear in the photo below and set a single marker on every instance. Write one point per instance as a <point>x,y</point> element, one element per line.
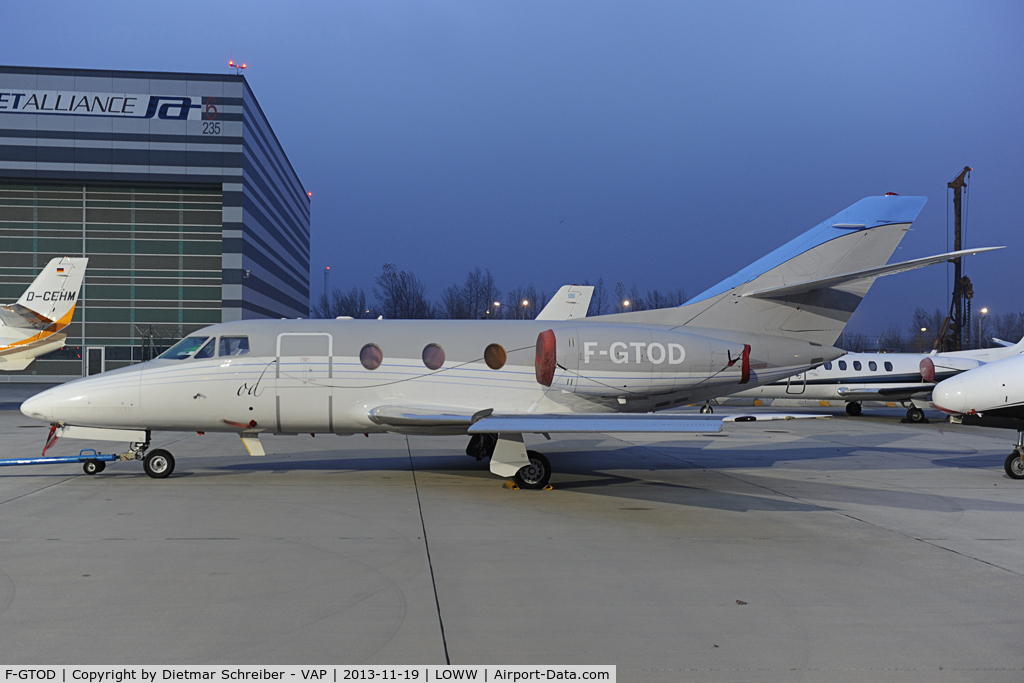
<point>534,475</point>
<point>706,409</point>
<point>853,408</point>
<point>916,416</point>
<point>1014,463</point>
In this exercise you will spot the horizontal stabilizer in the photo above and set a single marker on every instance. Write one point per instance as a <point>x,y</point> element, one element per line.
<point>867,274</point>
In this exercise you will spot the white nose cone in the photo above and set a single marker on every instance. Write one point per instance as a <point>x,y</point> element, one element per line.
<point>974,391</point>
<point>948,396</point>
<point>38,407</point>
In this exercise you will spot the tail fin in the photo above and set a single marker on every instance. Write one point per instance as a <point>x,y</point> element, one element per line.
<point>860,238</point>
<point>571,301</point>
<point>53,294</point>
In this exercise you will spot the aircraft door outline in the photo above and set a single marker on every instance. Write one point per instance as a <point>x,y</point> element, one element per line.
<point>304,366</point>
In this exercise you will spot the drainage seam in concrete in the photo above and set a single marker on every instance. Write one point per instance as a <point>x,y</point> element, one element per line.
<point>426,545</point>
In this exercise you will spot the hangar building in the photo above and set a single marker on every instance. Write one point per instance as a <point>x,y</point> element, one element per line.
<point>175,187</point>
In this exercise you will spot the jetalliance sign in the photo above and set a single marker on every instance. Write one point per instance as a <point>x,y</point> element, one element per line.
<point>121,105</point>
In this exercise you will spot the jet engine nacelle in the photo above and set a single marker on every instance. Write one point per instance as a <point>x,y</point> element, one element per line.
<point>613,360</point>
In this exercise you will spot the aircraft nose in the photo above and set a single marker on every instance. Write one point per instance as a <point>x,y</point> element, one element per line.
<point>969,392</point>
<point>39,407</point>
<point>948,395</point>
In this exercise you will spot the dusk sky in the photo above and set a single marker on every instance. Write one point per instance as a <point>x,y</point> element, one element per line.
<point>662,144</point>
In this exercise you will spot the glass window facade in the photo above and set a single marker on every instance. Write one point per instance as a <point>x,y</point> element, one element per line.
<point>155,263</point>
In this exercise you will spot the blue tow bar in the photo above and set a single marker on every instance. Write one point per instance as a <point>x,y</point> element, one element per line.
<point>84,456</point>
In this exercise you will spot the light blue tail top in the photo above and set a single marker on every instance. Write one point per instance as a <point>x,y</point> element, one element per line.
<point>868,213</point>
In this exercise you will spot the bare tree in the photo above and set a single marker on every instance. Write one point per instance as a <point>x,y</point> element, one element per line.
<point>923,329</point>
<point>473,299</point>
<point>400,295</point>
<point>856,342</point>
<point>670,299</point>
<point>1008,326</point>
<point>890,340</point>
<point>599,299</point>
<point>515,308</point>
<point>351,304</point>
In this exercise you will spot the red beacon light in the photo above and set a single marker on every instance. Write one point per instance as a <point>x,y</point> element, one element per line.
<point>891,194</point>
<point>232,64</point>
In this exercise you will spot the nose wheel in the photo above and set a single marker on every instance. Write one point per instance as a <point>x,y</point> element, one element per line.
<point>158,464</point>
<point>706,409</point>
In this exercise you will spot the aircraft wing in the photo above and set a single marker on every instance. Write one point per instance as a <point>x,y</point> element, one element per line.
<point>485,422</point>
<point>618,422</point>
<point>868,274</point>
<point>902,393</point>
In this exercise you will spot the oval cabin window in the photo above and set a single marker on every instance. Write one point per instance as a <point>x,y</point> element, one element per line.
<point>495,356</point>
<point>371,356</point>
<point>433,356</point>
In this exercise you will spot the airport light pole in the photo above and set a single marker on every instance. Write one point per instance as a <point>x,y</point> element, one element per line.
<point>983,312</point>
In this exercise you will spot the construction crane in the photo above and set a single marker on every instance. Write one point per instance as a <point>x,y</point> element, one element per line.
<point>955,332</point>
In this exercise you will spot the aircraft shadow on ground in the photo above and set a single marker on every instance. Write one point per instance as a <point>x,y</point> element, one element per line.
<point>610,473</point>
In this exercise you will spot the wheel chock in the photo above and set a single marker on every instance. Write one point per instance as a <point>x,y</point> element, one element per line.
<point>511,485</point>
<point>549,487</point>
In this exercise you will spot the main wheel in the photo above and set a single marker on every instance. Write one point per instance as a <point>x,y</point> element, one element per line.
<point>853,409</point>
<point>92,467</point>
<point>158,464</point>
<point>706,409</point>
<point>1014,466</point>
<point>915,415</point>
<point>536,474</point>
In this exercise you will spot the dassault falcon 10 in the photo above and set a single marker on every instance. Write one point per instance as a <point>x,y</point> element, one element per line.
<point>34,325</point>
<point>498,380</point>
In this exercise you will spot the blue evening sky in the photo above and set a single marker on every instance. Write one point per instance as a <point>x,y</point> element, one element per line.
<point>663,144</point>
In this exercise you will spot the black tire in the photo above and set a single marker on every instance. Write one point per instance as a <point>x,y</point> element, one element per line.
<point>1014,466</point>
<point>853,409</point>
<point>706,410</point>
<point>102,466</point>
<point>915,415</point>
<point>536,474</point>
<point>158,464</point>
<point>92,467</point>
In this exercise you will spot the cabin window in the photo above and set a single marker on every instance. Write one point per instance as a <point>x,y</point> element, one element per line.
<point>856,365</point>
<point>888,366</point>
<point>433,356</point>
<point>371,356</point>
<point>828,365</point>
<point>842,365</point>
<point>234,346</point>
<point>495,356</point>
<point>873,365</point>
<point>183,349</point>
<point>207,350</point>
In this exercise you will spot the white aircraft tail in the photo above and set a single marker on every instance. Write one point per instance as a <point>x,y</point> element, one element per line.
<point>569,302</point>
<point>808,288</point>
<point>53,294</point>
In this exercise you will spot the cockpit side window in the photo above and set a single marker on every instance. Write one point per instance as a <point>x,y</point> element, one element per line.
<point>234,346</point>
<point>207,350</point>
<point>183,349</point>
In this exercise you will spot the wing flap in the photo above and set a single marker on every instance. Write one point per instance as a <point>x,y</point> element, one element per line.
<point>599,422</point>
<point>399,416</point>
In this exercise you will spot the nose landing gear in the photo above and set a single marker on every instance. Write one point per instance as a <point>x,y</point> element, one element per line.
<point>158,464</point>
<point>1014,463</point>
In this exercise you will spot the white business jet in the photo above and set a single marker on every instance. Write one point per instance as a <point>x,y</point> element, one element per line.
<point>498,380</point>
<point>33,326</point>
<point>989,396</point>
<point>898,377</point>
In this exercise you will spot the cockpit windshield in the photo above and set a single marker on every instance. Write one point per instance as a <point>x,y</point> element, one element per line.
<point>183,349</point>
